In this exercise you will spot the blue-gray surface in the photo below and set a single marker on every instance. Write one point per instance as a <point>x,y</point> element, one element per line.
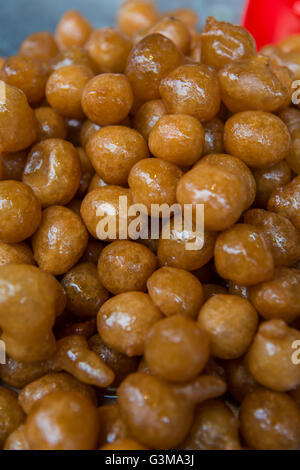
<point>18,18</point>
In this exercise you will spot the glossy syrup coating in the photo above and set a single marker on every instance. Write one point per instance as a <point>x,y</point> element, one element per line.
<point>107,99</point>
<point>186,15</point>
<point>291,117</point>
<point>173,252</point>
<point>238,378</point>
<point>109,49</point>
<point>223,43</point>
<point>119,363</point>
<point>136,15</point>
<point>125,321</point>
<point>154,181</point>
<point>214,428</point>
<point>88,129</point>
<point>124,444</point>
<point>29,305</point>
<point>40,339</point>
<point>259,139</point>
<point>53,171</point>
<point>231,323</point>
<point>63,412</point>
<point>280,297</point>
<point>269,179</point>
<point>272,351</point>
<point>18,126</point>
<point>60,240</point>
<point>147,116</point>
<point>151,60</point>
<point>114,150</point>
<point>176,30</point>
<point>126,266</point>
<point>13,165</point>
<point>20,212</point>
<point>30,395</point>
<point>177,349</point>
<point>102,205</point>
<point>74,130</point>
<point>11,414</point>
<point>252,84</point>
<point>15,253</point>
<point>175,292</point>
<point>192,89</point>
<point>214,136</point>
<point>85,293</point>
<point>177,138</point>
<point>65,88</point>
<point>72,30</point>
<point>27,74</point>
<point>196,49</point>
<point>243,255</point>
<point>50,124</point>
<point>220,188</point>
<point>286,201</point>
<point>112,427</point>
<point>282,235</point>
<point>210,290</point>
<point>270,421</point>
<point>158,398</point>
<point>73,56</point>
<point>41,46</point>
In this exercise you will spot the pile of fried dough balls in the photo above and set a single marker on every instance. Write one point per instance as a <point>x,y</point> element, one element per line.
<point>196,349</point>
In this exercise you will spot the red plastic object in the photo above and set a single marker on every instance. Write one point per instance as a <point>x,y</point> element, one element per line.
<point>269,21</point>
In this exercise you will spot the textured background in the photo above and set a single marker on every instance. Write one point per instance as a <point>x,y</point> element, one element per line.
<point>18,18</point>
